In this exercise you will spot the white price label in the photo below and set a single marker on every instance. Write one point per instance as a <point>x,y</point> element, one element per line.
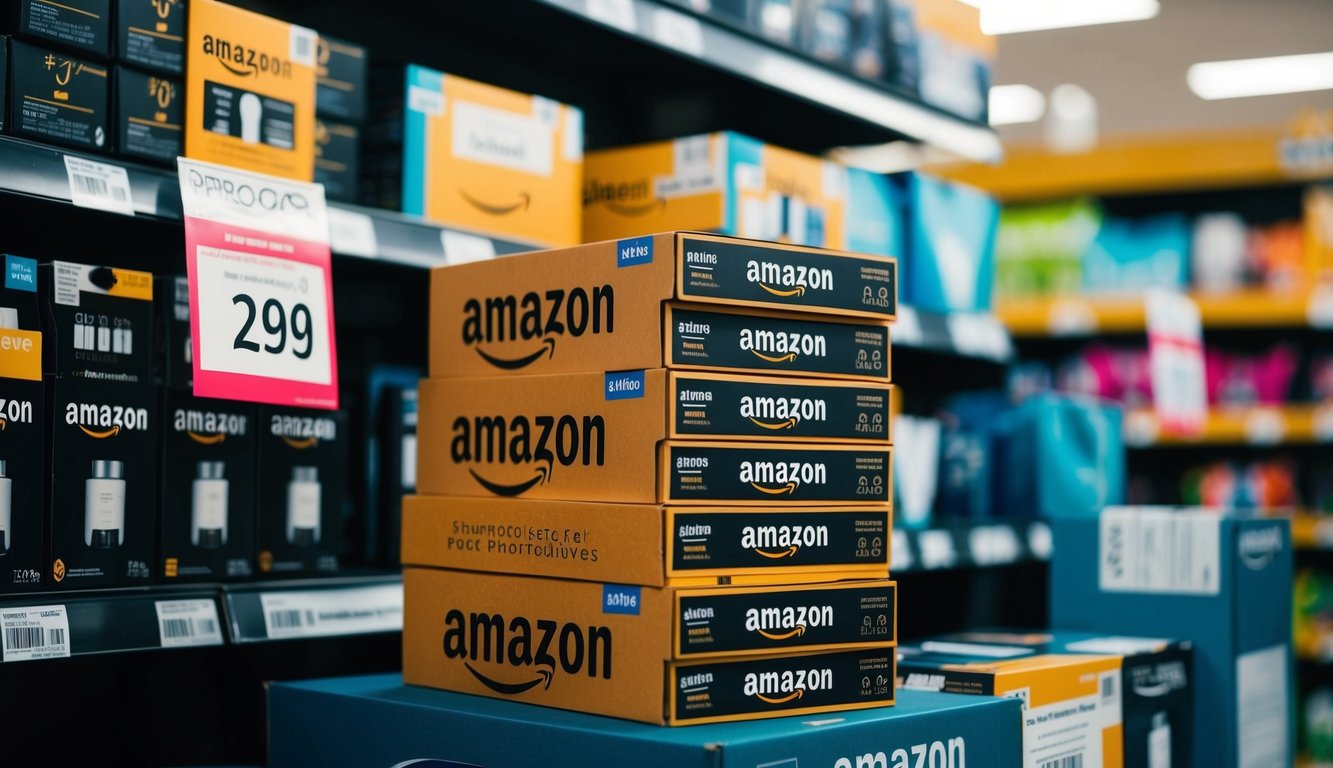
<point>40,632</point>
<point>1175,352</point>
<point>614,13</point>
<point>980,335</point>
<point>462,248</point>
<point>994,545</point>
<point>907,327</point>
<point>263,316</point>
<point>352,233</point>
<point>101,186</point>
<point>317,613</point>
<point>937,549</point>
<point>184,623</point>
<point>678,31</point>
<point>900,552</point>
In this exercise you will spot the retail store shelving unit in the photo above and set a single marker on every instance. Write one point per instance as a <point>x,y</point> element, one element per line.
<point>641,71</point>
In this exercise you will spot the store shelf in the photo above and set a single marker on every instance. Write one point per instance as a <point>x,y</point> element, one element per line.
<point>1080,316</point>
<point>184,616</point>
<point>970,544</point>
<point>1311,531</point>
<point>1254,425</point>
<point>770,65</point>
<point>305,608</point>
<point>1161,164</point>
<point>115,621</point>
<point>964,334</point>
<point>37,170</point>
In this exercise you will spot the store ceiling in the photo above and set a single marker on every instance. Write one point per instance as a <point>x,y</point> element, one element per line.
<point>1136,70</point>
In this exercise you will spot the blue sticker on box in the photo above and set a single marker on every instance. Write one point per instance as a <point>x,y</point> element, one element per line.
<point>620,599</point>
<point>624,385</point>
<point>633,252</point>
<point>20,274</point>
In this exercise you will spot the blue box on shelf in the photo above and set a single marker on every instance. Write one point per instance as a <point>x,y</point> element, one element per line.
<point>949,263</point>
<point>381,722</point>
<point>1221,582</point>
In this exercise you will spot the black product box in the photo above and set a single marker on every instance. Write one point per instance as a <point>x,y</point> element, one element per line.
<point>340,84</point>
<point>104,483</point>
<point>177,355</point>
<point>303,465</point>
<point>4,79</point>
<point>22,429</point>
<point>99,323</point>
<point>149,113</point>
<point>337,159</point>
<point>399,471</point>
<point>206,530</point>
<point>151,34</point>
<point>82,25</point>
<point>55,97</point>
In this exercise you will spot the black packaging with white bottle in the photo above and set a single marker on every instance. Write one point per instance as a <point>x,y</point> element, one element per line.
<point>303,466</point>
<point>103,433</point>
<point>206,528</point>
<point>22,429</point>
<point>81,25</point>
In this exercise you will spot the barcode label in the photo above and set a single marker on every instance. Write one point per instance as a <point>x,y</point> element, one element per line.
<point>185,623</point>
<point>303,46</point>
<point>1073,761</point>
<point>318,613</point>
<point>1108,687</point>
<point>101,186</point>
<point>40,632</point>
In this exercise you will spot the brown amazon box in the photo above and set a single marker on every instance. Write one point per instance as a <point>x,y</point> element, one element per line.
<point>647,544</point>
<point>678,656</point>
<point>572,438</point>
<point>599,307</point>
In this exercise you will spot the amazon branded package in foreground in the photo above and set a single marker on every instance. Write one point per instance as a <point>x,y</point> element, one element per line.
<point>624,651</point>
<point>600,307</point>
<point>382,722</point>
<point>1215,580</point>
<point>580,438</point>
<point>646,544</point>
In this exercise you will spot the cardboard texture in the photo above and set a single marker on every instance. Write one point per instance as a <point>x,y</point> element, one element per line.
<point>646,544</point>
<point>735,185</point>
<point>1219,597</point>
<point>58,98</point>
<point>572,438</point>
<point>250,91</point>
<point>150,111</point>
<point>488,159</point>
<point>1071,703</point>
<point>383,722</point>
<point>151,34</point>
<point>1156,696</point>
<point>80,25</point>
<point>598,307</point>
<point>604,648</point>
<point>23,425</point>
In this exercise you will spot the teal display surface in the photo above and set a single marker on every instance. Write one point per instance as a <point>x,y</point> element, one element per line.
<point>949,265</point>
<point>377,722</point>
<point>1222,583</point>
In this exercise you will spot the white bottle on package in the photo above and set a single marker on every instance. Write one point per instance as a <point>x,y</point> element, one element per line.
<point>6,506</point>
<point>208,507</point>
<point>303,507</point>
<point>1159,742</point>
<point>104,505</point>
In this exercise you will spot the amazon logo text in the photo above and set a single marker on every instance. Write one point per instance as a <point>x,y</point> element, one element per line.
<point>538,319</point>
<point>523,654</point>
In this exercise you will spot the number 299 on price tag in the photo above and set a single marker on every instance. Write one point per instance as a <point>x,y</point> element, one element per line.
<point>260,289</point>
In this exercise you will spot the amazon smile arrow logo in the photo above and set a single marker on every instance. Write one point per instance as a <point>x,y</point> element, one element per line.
<point>523,202</point>
<point>543,678</point>
<point>208,439</point>
<point>112,432</point>
<point>789,488</point>
<point>787,293</point>
<point>788,424</point>
<point>787,358</point>
<point>798,631</point>
<point>788,552</point>
<point>300,444</point>
<point>512,364</point>
<point>621,209</point>
<point>543,473</point>
<point>796,694</point>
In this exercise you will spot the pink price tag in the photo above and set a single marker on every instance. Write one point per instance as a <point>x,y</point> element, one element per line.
<point>261,288</point>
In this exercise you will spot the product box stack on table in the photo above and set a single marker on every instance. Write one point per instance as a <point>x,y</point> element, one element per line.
<point>655,481</point>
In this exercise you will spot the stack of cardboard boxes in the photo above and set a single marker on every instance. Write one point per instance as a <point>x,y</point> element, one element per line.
<point>619,517</point>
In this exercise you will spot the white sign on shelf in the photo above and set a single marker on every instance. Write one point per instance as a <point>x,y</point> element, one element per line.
<point>100,186</point>
<point>463,248</point>
<point>615,13</point>
<point>352,233</point>
<point>318,613</point>
<point>39,632</point>
<point>936,548</point>
<point>676,30</point>
<point>1175,351</point>
<point>186,623</point>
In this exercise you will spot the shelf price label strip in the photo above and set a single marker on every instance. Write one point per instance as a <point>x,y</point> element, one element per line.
<point>188,623</point>
<point>261,287</point>
<point>322,613</point>
<point>37,632</point>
